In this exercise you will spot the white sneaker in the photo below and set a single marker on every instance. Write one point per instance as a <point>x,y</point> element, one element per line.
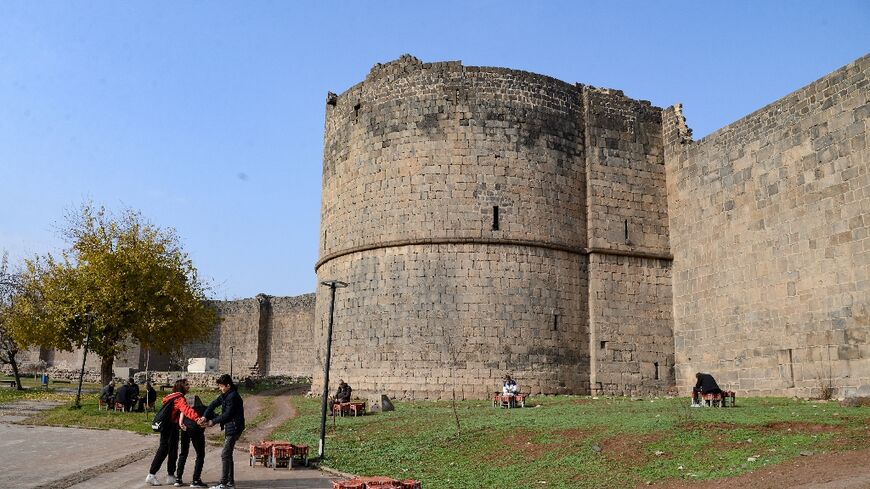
<point>696,405</point>
<point>170,479</point>
<point>151,480</point>
<point>219,486</point>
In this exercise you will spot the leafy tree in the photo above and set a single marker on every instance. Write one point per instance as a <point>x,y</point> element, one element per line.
<point>122,278</point>
<point>9,287</point>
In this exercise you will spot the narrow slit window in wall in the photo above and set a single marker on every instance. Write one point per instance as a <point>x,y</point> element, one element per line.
<point>657,370</point>
<point>603,345</point>
<point>555,322</point>
<point>495,218</point>
<point>626,230</point>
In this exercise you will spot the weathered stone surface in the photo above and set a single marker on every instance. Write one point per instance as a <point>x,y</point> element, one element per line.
<point>769,227</point>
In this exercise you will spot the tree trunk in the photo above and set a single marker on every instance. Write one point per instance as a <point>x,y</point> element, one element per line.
<point>106,371</point>
<point>15,372</point>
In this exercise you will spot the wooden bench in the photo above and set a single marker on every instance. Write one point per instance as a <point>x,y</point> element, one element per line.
<point>723,399</point>
<point>509,401</point>
<point>356,408</point>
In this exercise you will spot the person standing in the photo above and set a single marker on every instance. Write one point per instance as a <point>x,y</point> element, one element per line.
<point>169,433</point>
<point>231,421</point>
<point>191,432</point>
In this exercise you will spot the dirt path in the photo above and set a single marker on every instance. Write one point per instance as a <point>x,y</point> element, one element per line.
<point>842,470</point>
<point>281,410</point>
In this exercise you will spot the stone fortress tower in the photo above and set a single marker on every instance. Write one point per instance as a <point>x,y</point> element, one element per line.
<point>494,221</point>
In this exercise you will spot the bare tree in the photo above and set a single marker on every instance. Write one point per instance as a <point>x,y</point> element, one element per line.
<point>9,287</point>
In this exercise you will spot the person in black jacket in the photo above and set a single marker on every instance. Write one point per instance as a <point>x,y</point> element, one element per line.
<point>232,422</point>
<point>191,432</point>
<point>148,399</point>
<point>127,395</point>
<point>706,384</point>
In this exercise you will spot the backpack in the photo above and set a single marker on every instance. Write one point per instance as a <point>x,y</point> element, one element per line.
<point>161,418</point>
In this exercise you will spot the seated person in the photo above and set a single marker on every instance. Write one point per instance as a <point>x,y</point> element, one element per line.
<point>706,384</point>
<point>133,387</point>
<point>126,395</point>
<point>149,398</point>
<point>107,394</point>
<point>509,388</point>
<point>343,393</point>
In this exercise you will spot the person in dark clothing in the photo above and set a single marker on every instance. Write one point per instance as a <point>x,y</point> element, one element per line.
<point>127,395</point>
<point>169,433</point>
<point>191,432</point>
<point>148,398</point>
<point>706,384</point>
<point>107,394</point>
<point>231,421</point>
<point>343,393</point>
<point>122,396</point>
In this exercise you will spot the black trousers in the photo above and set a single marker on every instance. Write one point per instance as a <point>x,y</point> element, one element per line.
<point>228,475</point>
<point>197,437</point>
<point>168,446</point>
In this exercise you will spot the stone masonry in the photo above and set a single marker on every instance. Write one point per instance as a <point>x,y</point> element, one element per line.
<point>473,210</point>
<point>769,226</point>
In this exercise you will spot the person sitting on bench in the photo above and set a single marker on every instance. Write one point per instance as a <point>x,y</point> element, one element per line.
<point>107,394</point>
<point>706,384</point>
<point>127,395</point>
<point>509,388</point>
<point>343,393</point>
<point>148,399</point>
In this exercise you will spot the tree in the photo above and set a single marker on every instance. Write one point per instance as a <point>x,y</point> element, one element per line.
<point>121,278</point>
<point>9,287</point>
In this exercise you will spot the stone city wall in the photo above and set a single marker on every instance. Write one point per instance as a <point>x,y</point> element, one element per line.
<point>631,340</point>
<point>484,174</point>
<point>290,348</point>
<point>769,226</point>
<point>417,322</point>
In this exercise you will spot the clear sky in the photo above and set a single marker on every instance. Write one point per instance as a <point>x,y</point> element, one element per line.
<point>208,116</point>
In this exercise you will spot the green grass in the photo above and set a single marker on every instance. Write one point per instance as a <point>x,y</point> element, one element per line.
<point>89,416</point>
<point>557,444</point>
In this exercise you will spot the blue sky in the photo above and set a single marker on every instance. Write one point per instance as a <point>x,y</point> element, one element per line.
<point>208,116</point>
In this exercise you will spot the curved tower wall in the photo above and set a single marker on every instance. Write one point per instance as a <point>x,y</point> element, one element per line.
<point>415,159</point>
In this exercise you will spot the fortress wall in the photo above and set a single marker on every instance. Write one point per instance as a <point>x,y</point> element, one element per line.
<point>630,320</point>
<point>632,344</point>
<point>627,200</point>
<point>769,226</point>
<point>417,321</point>
<point>416,157</point>
<point>423,152</point>
<point>290,349</point>
<point>240,330</point>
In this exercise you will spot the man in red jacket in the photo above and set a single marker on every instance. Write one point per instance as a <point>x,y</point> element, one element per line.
<point>169,433</point>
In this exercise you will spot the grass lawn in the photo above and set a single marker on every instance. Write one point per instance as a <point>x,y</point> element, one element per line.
<point>578,442</point>
<point>89,416</point>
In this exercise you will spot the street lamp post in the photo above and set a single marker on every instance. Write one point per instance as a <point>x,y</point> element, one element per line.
<point>90,320</point>
<point>232,348</point>
<point>332,284</point>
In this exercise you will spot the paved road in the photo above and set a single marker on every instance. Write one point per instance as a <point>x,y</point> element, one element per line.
<point>50,457</point>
